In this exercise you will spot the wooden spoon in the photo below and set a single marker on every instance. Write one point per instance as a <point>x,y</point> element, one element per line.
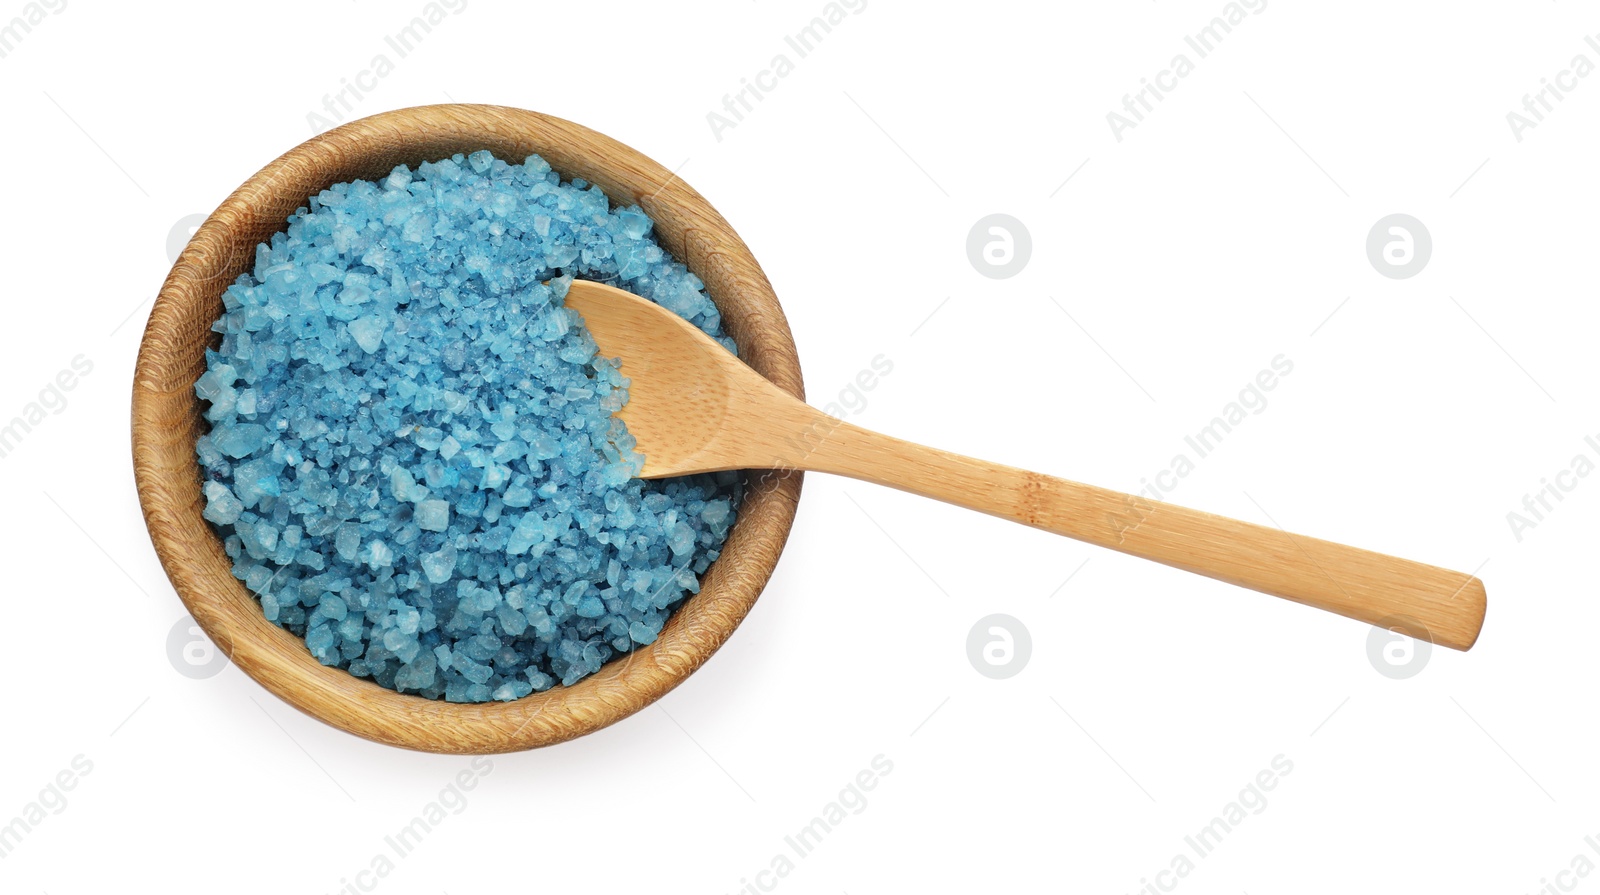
<point>696,408</point>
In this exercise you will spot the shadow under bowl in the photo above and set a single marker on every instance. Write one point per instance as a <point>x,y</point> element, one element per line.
<point>168,417</point>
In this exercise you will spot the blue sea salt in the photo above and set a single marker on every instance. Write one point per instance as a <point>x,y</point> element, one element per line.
<point>413,460</point>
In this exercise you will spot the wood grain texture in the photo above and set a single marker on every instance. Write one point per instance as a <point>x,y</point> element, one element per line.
<point>167,419</point>
<point>694,408</point>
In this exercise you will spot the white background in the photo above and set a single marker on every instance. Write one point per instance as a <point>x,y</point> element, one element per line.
<point>1227,228</point>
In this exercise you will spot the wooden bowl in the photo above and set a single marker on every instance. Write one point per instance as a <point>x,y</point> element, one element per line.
<point>167,419</point>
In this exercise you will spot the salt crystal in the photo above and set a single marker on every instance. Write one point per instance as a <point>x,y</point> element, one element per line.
<point>368,332</point>
<point>433,515</point>
<point>221,506</point>
<point>439,566</point>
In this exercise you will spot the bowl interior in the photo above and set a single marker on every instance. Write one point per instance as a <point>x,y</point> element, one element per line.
<point>167,419</point>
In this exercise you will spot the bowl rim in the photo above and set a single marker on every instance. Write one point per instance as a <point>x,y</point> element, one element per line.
<point>166,417</point>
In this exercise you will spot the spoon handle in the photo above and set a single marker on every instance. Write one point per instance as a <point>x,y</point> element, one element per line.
<point>1423,601</point>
